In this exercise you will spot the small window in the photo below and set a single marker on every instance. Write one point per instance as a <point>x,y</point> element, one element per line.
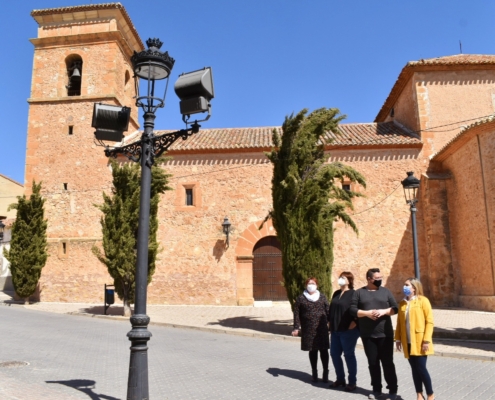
<point>346,187</point>
<point>66,186</point>
<point>71,129</point>
<point>189,197</point>
<point>63,249</point>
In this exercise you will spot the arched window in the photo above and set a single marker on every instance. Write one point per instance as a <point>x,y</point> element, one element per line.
<point>74,66</point>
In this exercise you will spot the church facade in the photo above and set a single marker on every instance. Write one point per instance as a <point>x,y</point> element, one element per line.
<point>435,122</point>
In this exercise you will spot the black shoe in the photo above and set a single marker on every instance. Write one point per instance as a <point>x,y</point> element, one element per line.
<point>325,376</point>
<point>314,377</point>
<point>350,388</point>
<point>337,384</point>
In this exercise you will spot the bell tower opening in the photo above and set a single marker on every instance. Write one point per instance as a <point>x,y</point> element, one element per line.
<point>74,65</point>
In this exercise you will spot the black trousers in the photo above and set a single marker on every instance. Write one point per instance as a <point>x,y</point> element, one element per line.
<point>313,358</point>
<point>420,373</point>
<point>381,350</point>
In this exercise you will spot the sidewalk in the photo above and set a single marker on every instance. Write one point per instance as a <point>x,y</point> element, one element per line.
<point>458,333</point>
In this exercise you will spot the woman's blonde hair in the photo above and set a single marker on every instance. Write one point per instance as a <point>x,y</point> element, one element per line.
<point>417,285</point>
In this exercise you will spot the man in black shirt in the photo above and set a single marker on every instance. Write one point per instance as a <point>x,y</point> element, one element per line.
<point>373,305</point>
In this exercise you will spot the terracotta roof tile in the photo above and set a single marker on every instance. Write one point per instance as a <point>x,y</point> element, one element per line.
<point>372,134</point>
<point>454,62</point>
<point>368,134</point>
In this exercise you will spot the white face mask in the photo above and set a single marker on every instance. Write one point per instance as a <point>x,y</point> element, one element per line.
<point>342,281</point>
<point>311,288</point>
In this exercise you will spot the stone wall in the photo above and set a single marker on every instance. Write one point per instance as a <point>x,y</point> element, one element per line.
<point>382,216</point>
<point>446,97</point>
<point>196,267</point>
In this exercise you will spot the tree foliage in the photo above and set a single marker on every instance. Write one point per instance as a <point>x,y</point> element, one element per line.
<point>28,246</point>
<point>120,226</point>
<point>307,198</point>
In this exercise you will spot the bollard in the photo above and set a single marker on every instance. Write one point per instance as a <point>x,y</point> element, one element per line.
<point>109,297</point>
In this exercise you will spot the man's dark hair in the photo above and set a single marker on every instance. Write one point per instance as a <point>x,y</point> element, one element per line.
<point>371,272</point>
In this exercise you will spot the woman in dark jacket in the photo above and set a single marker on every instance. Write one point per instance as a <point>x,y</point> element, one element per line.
<point>310,317</point>
<point>344,333</point>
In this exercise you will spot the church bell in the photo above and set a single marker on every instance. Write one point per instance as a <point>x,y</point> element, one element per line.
<point>76,73</point>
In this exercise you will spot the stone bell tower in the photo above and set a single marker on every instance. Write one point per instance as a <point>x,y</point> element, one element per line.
<point>81,57</point>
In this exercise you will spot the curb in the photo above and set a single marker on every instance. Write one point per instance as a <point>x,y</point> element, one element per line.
<point>260,335</point>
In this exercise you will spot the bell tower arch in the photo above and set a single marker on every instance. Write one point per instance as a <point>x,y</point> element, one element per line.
<point>81,57</point>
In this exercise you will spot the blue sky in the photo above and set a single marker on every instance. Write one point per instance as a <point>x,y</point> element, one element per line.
<point>269,57</point>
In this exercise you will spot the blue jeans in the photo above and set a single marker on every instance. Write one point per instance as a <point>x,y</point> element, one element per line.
<point>344,342</point>
<point>420,373</point>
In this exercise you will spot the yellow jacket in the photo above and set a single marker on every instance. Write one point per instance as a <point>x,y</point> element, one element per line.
<point>420,324</point>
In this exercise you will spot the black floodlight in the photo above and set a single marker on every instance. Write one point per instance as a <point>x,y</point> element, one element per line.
<point>411,186</point>
<point>110,121</point>
<point>195,90</point>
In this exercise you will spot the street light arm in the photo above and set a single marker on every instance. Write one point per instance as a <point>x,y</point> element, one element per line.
<point>160,144</point>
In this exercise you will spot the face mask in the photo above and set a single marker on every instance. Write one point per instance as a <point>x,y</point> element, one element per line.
<point>377,282</point>
<point>311,288</point>
<point>342,282</point>
<point>407,290</point>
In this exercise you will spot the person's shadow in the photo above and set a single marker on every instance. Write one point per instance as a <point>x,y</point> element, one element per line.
<point>86,386</point>
<point>306,378</point>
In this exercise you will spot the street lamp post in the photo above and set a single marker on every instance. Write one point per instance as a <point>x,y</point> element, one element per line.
<point>2,228</point>
<point>411,186</point>
<point>195,91</point>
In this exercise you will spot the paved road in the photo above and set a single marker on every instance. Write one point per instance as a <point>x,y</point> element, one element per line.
<point>82,358</point>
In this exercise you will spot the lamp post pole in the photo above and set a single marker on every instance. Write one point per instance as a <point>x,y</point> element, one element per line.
<point>415,240</point>
<point>195,89</point>
<point>137,386</point>
<point>411,186</point>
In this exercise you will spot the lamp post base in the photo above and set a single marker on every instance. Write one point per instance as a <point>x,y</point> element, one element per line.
<point>137,385</point>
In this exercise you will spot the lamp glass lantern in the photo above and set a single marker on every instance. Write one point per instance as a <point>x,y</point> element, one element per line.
<point>151,65</point>
<point>411,186</point>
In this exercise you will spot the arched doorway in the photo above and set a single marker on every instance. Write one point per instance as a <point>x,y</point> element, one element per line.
<point>267,270</point>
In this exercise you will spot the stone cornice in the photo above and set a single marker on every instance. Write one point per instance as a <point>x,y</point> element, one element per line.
<point>173,152</point>
<point>87,13</point>
<point>84,39</point>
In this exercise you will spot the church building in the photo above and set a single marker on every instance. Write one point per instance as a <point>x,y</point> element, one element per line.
<point>437,122</point>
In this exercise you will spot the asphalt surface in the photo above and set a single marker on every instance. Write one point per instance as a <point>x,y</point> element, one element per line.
<point>86,358</point>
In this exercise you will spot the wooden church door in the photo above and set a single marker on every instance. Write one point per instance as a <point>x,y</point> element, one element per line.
<point>267,270</point>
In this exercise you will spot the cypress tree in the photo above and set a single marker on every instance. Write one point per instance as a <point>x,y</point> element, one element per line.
<point>307,200</point>
<point>120,227</point>
<point>28,246</point>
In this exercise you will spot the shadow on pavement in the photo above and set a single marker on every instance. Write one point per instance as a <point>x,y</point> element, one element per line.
<point>478,333</point>
<point>99,310</point>
<point>85,386</point>
<point>279,327</point>
<point>306,378</point>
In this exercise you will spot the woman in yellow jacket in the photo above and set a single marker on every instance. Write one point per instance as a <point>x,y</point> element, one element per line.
<point>414,333</point>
